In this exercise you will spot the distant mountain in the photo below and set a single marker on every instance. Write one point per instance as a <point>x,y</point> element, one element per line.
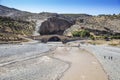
<point>11,12</point>
<point>24,15</point>
<point>77,15</point>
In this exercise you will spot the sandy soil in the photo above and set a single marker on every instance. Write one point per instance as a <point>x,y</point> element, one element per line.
<point>113,42</point>
<point>67,63</point>
<point>84,66</point>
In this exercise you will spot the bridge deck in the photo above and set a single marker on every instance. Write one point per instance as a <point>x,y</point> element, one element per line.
<point>45,38</point>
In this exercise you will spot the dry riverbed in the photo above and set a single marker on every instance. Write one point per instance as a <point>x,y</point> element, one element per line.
<point>109,58</point>
<point>48,62</point>
<point>84,66</point>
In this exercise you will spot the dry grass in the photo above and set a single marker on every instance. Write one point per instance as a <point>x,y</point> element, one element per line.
<point>114,43</point>
<point>100,42</point>
<point>97,42</point>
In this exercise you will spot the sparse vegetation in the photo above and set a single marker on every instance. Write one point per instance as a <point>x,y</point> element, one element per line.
<point>76,15</point>
<point>114,42</point>
<point>81,33</point>
<point>92,37</point>
<point>114,16</point>
<point>87,34</point>
<point>8,25</point>
<point>115,37</point>
<point>10,29</point>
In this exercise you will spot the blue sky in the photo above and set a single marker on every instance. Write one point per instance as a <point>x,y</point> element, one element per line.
<point>94,7</point>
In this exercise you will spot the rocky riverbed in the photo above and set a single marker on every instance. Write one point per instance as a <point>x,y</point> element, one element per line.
<point>109,58</point>
<point>30,62</point>
<point>56,61</point>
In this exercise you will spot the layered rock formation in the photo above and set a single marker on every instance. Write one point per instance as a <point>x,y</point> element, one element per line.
<point>54,25</point>
<point>99,25</point>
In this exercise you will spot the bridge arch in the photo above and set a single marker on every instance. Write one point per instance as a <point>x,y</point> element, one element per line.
<point>51,38</point>
<point>54,38</point>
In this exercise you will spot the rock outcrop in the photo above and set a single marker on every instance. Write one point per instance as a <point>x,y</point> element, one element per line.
<point>99,25</point>
<point>68,32</point>
<point>54,25</point>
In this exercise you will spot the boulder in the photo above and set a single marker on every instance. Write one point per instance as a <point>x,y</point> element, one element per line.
<point>54,25</point>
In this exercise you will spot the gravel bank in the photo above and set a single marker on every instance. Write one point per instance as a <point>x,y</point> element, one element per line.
<point>42,68</point>
<point>109,57</point>
<point>30,62</point>
<point>10,53</point>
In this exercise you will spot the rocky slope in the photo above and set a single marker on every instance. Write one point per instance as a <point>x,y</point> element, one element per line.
<point>23,15</point>
<point>38,18</point>
<point>13,13</point>
<point>99,25</point>
<point>10,29</point>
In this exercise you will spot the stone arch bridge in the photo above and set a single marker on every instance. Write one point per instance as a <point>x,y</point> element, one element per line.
<point>51,38</point>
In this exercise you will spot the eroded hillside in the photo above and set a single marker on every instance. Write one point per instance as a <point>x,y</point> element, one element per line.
<point>99,25</point>
<point>10,29</point>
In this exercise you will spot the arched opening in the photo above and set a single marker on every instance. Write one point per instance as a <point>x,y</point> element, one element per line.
<point>54,39</point>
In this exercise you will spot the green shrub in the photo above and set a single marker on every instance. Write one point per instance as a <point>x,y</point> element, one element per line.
<point>105,37</point>
<point>115,37</point>
<point>76,33</point>
<point>92,37</point>
<point>85,33</point>
<point>82,33</point>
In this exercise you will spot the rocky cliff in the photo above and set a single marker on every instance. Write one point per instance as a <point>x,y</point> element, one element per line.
<point>54,25</point>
